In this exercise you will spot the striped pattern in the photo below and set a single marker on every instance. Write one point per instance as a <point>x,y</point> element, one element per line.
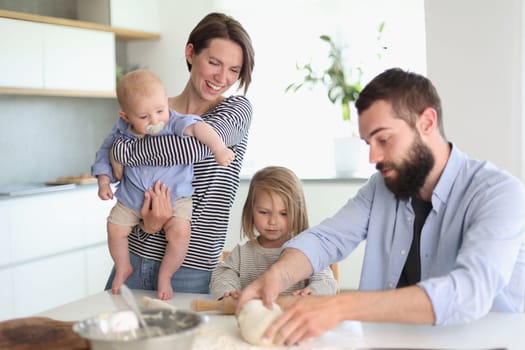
<point>215,186</point>
<point>247,262</point>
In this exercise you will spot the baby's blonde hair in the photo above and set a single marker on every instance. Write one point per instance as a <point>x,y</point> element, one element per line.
<point>283,182</point>
<point>138,83</point>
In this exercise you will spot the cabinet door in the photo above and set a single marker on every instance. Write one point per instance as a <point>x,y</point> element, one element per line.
<point>135,15</point>
<point>48,283</point>
<point>78,59</point>
<point>5,236</point>
<point>7,309</point>
<point>98,267</point>
<point>54,226</point>
<point>21,47</point>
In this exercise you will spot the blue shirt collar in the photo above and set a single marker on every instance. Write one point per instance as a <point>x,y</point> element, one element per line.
<point>442,190</point>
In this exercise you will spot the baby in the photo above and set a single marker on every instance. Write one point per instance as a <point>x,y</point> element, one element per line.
<point>144,112</point>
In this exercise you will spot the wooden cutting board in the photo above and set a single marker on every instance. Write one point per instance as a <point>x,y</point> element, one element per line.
<point>83,179</point>
<point>40,333</point>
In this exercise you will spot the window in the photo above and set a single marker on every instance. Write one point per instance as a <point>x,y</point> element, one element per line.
<point>297,129</point>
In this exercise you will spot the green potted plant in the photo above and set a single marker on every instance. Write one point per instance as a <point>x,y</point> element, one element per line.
<point>343,85</point>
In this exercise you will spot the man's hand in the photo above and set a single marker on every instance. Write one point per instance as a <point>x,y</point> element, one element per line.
<point>309,317</point>
<point>156,209</point>
<point>265,287</point>
<point>291,267</point>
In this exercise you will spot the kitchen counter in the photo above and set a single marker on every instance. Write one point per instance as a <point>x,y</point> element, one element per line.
<point>29,189</point>
<point>496,330</point>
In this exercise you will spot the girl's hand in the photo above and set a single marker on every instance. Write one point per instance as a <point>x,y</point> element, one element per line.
<point>233,294</point>
<point>303,292</point>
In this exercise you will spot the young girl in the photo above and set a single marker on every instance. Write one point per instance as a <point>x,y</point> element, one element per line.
<point>274,212</point>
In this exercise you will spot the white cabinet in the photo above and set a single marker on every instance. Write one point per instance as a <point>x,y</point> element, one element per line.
<point>53,250</point>
<point>21,61</point>
<point>48,56</point>
<point>135,14</point>
<point>47,283</point>
<point>49,219</point>
<point>7,309</point>
<point>98,266</point>
<point>78,59</point>
<point>5,239</point>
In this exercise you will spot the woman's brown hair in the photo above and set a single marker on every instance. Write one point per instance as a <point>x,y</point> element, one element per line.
<point>218,25</point>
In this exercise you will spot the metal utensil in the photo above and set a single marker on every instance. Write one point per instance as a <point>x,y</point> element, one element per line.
<point>130,300</point>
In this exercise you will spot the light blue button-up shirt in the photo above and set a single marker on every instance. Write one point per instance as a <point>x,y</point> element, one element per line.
<point>137,180</point>
<point>472,243</point>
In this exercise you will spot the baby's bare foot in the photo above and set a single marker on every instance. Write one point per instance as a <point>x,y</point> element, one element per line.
<point>165,292</point>
<point>121,275</point>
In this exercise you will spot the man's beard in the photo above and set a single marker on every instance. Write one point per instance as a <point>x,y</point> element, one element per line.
<point>412,172</point>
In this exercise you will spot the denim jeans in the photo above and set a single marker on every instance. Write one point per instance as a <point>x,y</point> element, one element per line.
<point>146,272</point>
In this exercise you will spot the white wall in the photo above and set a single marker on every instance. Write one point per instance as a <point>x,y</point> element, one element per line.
<point>474,58</point>
<point>166,56</point>
<point>474,55</point>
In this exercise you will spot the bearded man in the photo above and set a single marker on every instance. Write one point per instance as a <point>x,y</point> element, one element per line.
<point>444,232</point>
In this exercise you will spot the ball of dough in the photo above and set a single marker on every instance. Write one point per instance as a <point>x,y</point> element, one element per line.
<point>254,318</point>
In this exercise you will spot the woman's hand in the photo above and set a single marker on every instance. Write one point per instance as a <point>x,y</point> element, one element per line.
<point>156,209</point>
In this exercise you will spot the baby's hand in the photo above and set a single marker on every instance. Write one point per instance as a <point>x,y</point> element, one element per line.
<point>224,156</point>
<point>303,292</point>
<point>104,189</point>
<point>233,294</point>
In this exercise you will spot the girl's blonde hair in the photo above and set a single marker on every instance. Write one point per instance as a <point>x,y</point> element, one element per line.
<point>281,181</point>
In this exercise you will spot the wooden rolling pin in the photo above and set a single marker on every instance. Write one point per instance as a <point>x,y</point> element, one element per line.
<point>228,305</point>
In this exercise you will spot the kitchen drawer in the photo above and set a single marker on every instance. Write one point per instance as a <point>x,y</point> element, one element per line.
<point>47,283</point>
<point>5,237</point>
<point>7,309</point>
<point>59,222</point>
<point>43,225</point>
<point>98,267</point>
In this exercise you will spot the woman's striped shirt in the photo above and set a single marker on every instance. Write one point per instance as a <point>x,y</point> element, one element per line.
<point>215,185</point>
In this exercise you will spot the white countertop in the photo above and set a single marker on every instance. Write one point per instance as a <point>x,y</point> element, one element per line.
<point>496,330</point>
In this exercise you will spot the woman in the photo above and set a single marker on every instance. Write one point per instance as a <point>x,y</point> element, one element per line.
<point>219,53</point>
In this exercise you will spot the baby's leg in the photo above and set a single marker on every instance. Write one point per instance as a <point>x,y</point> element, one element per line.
<point>118,248</point>
<point>178,231</point>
